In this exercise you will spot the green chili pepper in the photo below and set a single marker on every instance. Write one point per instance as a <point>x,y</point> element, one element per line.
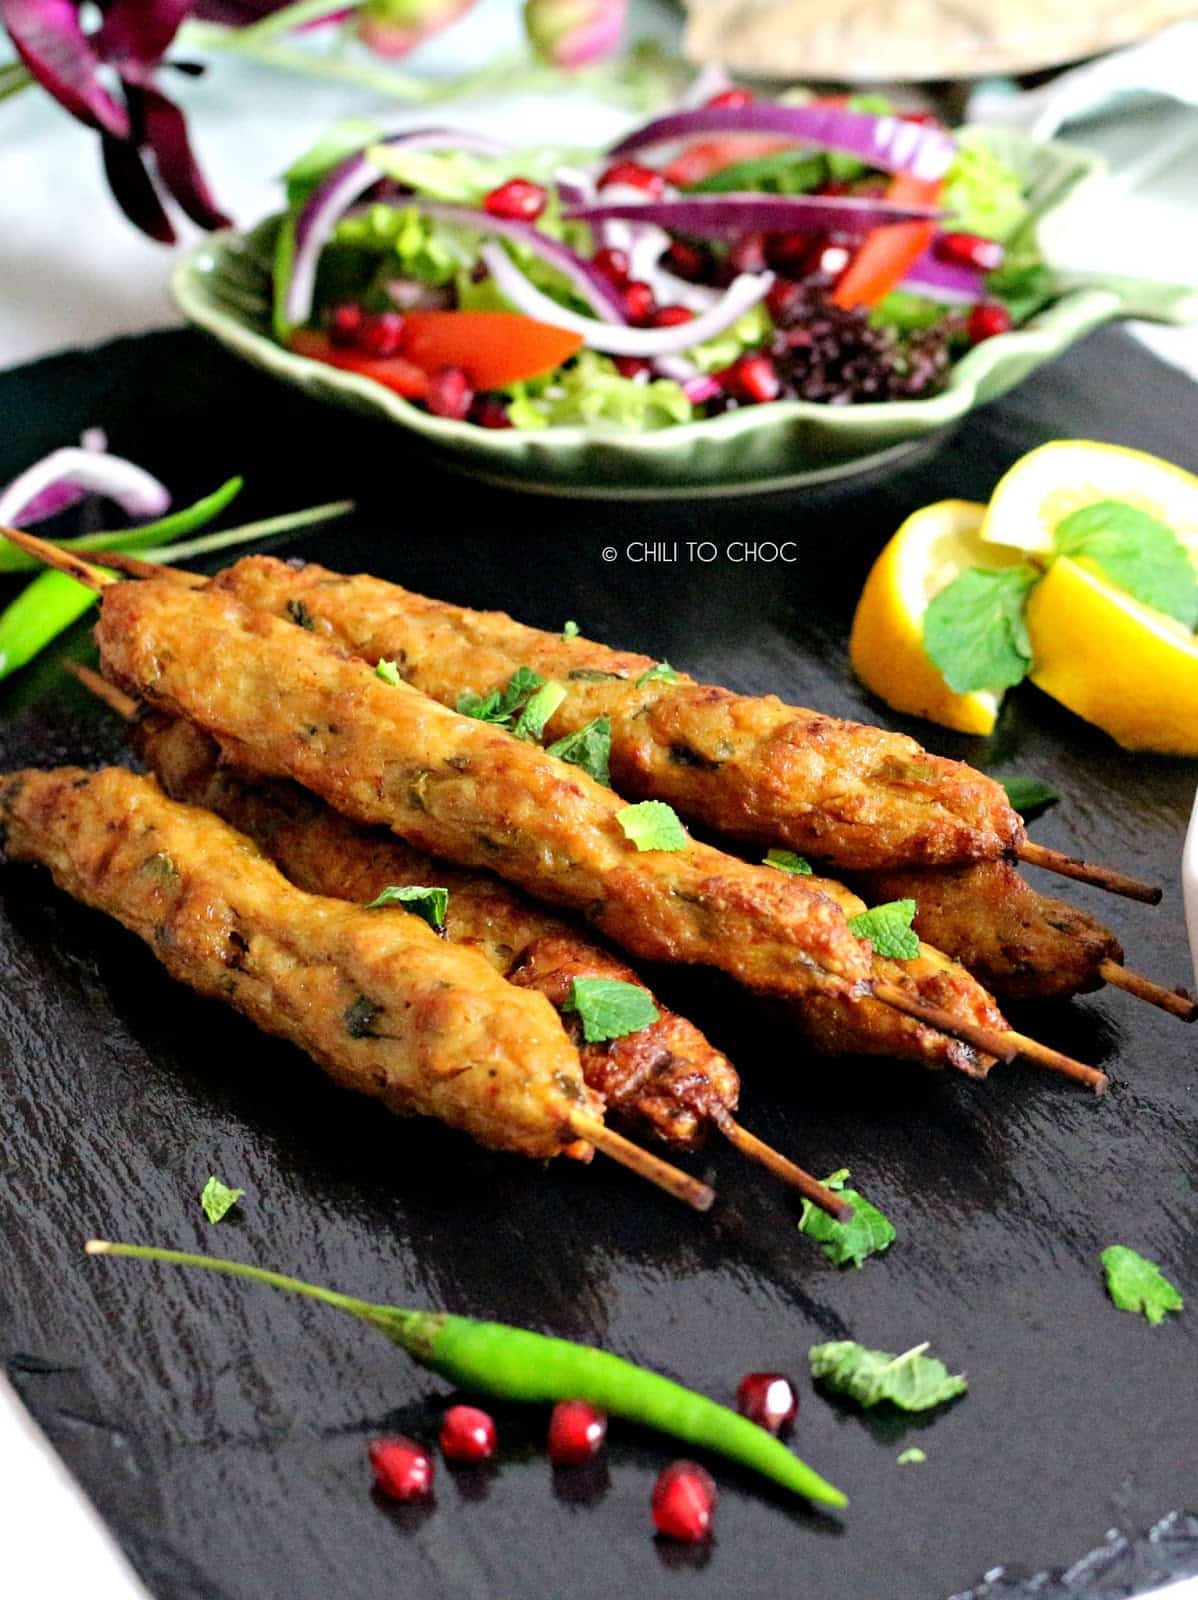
<point>516,1364</point>
<point>174,526</point>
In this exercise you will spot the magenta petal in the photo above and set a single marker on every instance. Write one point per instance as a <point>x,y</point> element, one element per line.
<point>134,192</point>
<point>165,131</point>
<point>63,59</point>
<point>140,30</point>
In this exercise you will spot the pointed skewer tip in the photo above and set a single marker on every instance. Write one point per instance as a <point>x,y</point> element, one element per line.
<point>1115,882</point>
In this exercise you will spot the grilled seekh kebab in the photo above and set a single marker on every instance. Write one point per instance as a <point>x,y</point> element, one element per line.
<point>744,766</point>
<point>749,766</point>
<point>666,1077</point>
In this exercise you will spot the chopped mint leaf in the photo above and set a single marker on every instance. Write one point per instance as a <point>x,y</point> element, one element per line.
<point>660,670</point>
<point>589,748</point>
<point>910,1457</point>
<point>1029,796</point>
<point>888,928</point>
<point>1136,1284</point>
<point>502,705</point>
<point>1136,551</point>
<point>218,1199</point>
<point>787,861</point>
<point>912,1381</point>
<point>388,672</point>
<point>569,630</point>
<point>866,1233</point>
<point>419,899</point>
<point>537,711</point>
<point>974,629</point>
<point>609,1008</point>
<point>652,825</point>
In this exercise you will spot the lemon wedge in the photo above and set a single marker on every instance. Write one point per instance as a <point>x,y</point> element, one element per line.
<point>1130,670</point>
<point>931,548</point>
<point>1049,483</point>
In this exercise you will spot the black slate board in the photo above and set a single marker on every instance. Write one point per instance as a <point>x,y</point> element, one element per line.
<point>220,1429</point>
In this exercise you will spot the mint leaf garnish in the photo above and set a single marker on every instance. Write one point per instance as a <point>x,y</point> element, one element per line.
<point>787,861</point>
<point>888,928</point>
<point>865,1233</point>
<point>609,1008</point>
<point>912,1381</point>
<point>588,748</point>
<point>652,825</point>
<point>1136,1284</point>
<point>419,899</point>
<point>659,670</point>
<point>218,1199</point>
<point>502,706</point>
<point>911,1456</point>
<point>1029,796</point>
<point>569,630</point>
<point>537,711</point>
<point>388,672</point>
<point>1136,551</point>
<point>974,630</point>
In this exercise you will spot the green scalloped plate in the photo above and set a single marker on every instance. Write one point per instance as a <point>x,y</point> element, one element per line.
<point>223,287</point>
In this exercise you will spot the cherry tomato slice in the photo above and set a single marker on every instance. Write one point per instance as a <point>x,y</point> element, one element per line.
<point>885,256</point>
<point>493,348</point>
<point>393,372</point>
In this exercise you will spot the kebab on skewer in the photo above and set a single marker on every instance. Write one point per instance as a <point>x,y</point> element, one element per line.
<point>745,765</point>
<point>292,705</point>
<point>377,999</point>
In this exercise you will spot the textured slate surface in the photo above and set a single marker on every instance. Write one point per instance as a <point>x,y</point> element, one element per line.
<point>220,1428</point>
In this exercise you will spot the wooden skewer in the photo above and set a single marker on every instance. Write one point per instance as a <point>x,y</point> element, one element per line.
<point>1039,855</point>
<point>646,1165</point>
<point>115,699</point>
<point>988,1040</point>
<point>1045,1056</point>
<point>753,1147</point>
<point>60,560</point>
<point>1176,1001</point>
<point>135,567</point>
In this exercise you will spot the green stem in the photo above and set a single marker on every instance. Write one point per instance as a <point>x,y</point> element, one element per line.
<point>284,20</point>
<point>267,528</point>
<point>13,78</point>
<point>308,63</point>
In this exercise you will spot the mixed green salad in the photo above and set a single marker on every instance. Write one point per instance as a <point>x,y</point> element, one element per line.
<point>729,253</point>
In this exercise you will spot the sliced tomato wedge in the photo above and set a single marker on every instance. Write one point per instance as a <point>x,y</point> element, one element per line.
<point>393,372</point>
<point>885,256</point>
<point>493,348</point>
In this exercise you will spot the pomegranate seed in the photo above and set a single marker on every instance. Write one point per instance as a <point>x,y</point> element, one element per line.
<point>518,200</point>
<point>638,301</point>
<point>687,261</point>
<point>969,250</point>
<point>670,317</point>
<point>576,1433</point>
<point>450,394</point>
<point>489,411</point>
<point>630,366</point>
<point>835,187</point>
<point>684,1499</point>
<point>923,119</point>
<point>732,97</point>
<point>380,335</point>
<point>828,258</point>
<point>768,1399</point>
<point>748,253</point>
<point>612,265</point>
<point>786,252</point>
<point>403,1469</point>
<point>345,324</point>
<point>753,378</point>
<point>636,177</point>
<point>468,1434</point>
<point>987,320</point>
<point>784,293</point>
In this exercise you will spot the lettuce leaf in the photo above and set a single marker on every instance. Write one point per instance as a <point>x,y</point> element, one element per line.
<point>590,390</point>
<point>982,195</point>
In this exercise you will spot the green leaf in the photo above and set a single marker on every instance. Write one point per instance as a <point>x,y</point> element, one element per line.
<point>912,1456</point>
<point>974,630</point>
<point>609,1008</point>
<point>787,861</point>
<point>1029,796</point>
<point>888,928</point>
<point>388,672</point>
<point>866,1233</point>
<point>785,172</point>
<point>652,825</point>
<point>1136,1284</point>
<point>502,705</point>
<point>345,138</point>
<point>217,1199</point>
<point>912,1381</point>
<point>660,670</point>
<point>419,899</point>
<point>1136,551</point>
<point>569,630</point>
<point>537,711</point>
<point>589,748</point>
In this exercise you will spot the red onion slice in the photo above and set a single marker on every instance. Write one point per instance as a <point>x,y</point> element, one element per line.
<point>621,340</point>
<point>339,189</point>
<point>26,499</point>
<point>725,216</point>
<point>888,142</point>
<point>947,281</point>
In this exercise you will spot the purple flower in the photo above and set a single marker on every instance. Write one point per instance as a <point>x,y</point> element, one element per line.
<point>143,134</point>
<point>574,33</point>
